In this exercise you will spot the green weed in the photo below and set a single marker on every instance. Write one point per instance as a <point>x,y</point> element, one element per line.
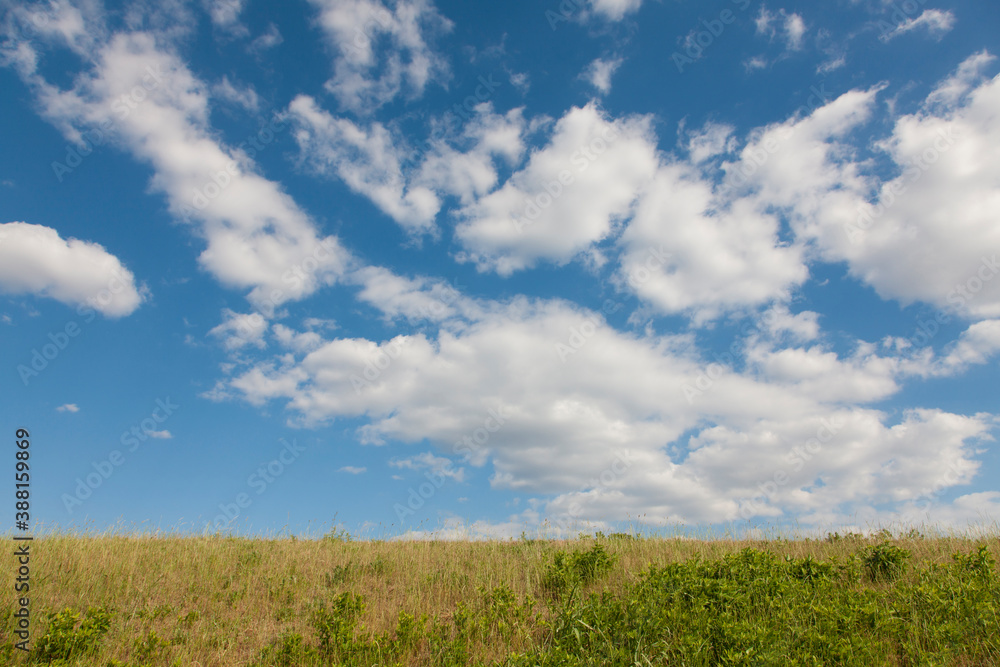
<point>67,637</point>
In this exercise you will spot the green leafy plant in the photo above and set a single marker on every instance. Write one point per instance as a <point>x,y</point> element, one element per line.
<point>579,568</point>
<point>885,562</point>
<point>149,646</point>
<point>67,637</point>
<point>809,569</point>
<point>980,562</point>
<point>335,626</point>
<point>409,630</point>
<point>338,575</point>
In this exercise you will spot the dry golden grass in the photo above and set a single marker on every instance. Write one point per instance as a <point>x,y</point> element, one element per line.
<point>220,600</point>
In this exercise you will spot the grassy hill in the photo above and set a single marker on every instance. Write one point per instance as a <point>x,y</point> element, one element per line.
<point>615,600</point>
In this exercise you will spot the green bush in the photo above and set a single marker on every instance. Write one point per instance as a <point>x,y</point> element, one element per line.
<point>148,647</point>
<point>570,570</point>
<point>885,562</point>
<point>338,575</point>
<point>65,639</point>
<point>289,650</point>
<point>809,569</point>
<point>335,626</point>
<point>979,563</point>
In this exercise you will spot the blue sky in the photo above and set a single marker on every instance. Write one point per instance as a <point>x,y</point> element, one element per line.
<point>473,269</point>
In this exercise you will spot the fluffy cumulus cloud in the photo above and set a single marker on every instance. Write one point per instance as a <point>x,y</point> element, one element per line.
<point>941,205</point>
<point>366,159</point>
<point>599,73</point>
<point>414,299</point>
<point>572,193</point>
<point>619,424</point>
<point>146,99</point>
<point>35,259</point>
<point>925,234</point>
<point>464,164</point>
<point>380,52</point>
<point>408,183</point>
<point>976,345</point>
<point>704,246</point>
<point>684,251</point>
<point>240,329</point>
<point>615,424</point>
<point>711,140</point>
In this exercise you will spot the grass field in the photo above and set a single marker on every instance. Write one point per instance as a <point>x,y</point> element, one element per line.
<point>615,600</point>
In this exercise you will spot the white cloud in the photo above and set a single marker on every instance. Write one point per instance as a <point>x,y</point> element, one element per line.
<point>921,235</point>
<point>795,29</point>
<point>379,51</point>
<point>267,40</point>
<point>68,407</point>
<point>975,513</point>
<point>457,529</point>
<point>245,97</point>
<point>521,81</point>
<point>571,193</point>
<point>598,73</point>
<point>801,168</point>
<point>559,402</point>
<point>256,234</point>
<point>821,374</point>
<point>367,160</point>
<point>686,251</point>
<point>170,20</point>
<point>415,299</point>
<point>801,327</point>
<point>469,170</point>
<point>353,470</point>
<point>305,341</point>
<point>319,323</point>
<point>764,23</point>
<point>438,466</point>
<point>791,25</point>
<point>75,26</point>
<point>925,236</point>
<point>34,259</point>
<point>226,14</point>
<point>615,10</point>
<point>936,22</point>
<point>835,62</point>
<point>711,140</point>
<point>160,435</point>
<point>929,233</point>
<point>240,329</point>
<point>976,345</point>
<point>408,183</point>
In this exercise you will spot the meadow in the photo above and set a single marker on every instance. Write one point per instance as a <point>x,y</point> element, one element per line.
<point>161,599</point>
